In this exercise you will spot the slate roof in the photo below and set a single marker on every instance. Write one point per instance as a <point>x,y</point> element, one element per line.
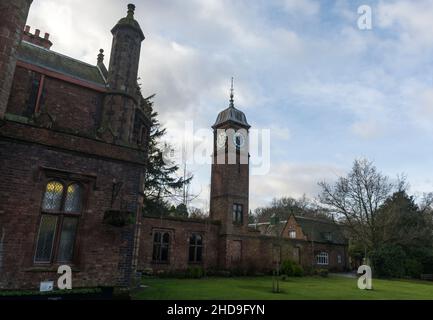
<point>54,61</point>
<point>315,229</point>
<point>231,114</point>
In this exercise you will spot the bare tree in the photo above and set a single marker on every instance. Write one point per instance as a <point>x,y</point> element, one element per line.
<point>356,199</point>
<point>426,204</point>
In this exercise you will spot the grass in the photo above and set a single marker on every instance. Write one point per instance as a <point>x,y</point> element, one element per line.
<point>306,288</point>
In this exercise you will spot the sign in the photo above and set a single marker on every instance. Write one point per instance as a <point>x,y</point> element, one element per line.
<point>46,286</point>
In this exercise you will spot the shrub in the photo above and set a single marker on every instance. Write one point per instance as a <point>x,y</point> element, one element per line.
<point>309,271</point>
<point>287,268</point>
<point>322,272</point>
<point>298,271</point>
<point>194,272</point>
<point>413,268</point>
<point>148,271</point>
<point>291,269</point>
<point>388,261</point>
<point>160,273</point>
<point>238,271</point>
<point>223,273</point>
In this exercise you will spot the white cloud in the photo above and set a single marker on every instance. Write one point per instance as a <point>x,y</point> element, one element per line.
<point>409,21</point>
<point>306,7</point>
<point>291,179</point>
<point>367,129</point>
<point>376,81</point>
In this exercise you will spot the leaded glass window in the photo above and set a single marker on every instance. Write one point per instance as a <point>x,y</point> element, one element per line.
<point>161,244</point>
<point>195,248</point>
<point>73,198</point>
<point>47,232</point>
<point>53,196</point>
<point>61,207</point>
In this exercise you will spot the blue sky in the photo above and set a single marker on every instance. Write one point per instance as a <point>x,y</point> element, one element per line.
<point>328,91</point>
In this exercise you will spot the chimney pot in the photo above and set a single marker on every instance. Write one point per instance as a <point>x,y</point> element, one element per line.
<point>27,29</point>
<point>37,32</point>
<point>46,36</point>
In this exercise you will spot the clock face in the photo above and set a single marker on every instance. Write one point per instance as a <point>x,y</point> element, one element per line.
<point>239,140</point>
<point>221,140</point>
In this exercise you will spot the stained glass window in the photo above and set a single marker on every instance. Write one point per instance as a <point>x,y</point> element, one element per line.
<point>73,198</point>
<point>60,209</point>
<point>53,196</point>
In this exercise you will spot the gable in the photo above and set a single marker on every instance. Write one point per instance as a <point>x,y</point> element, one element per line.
<point>293,226</point>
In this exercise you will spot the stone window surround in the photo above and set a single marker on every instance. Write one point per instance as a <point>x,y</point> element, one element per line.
<point>201,234</point>
<point>43,176</point>
<point>170,244</point>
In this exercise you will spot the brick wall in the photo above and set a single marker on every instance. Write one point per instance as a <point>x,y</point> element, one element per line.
<point>180,231</point>
<point>246,251</point>
<point>13,15</point>
<point>69,106</point>
<point>104,252</point>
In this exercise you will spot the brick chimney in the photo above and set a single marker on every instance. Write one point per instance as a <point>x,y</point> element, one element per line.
<point>36,39</point>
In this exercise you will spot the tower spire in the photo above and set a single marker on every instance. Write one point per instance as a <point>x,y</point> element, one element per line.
<point>232,103</point>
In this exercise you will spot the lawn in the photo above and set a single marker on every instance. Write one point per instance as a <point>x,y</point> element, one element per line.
<point>306,288</point>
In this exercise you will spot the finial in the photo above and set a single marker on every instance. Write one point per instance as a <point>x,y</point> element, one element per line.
<point>232,103</point>
<point>131,9</point>
<point>101,56</point>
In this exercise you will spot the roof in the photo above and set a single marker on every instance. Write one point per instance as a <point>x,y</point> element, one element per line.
<point>54,61</point>
<point>231,114</point>
<point>315,229</point>
<point>129,22</point>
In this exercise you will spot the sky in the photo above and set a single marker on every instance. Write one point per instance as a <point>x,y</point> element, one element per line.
<point>327,91</point>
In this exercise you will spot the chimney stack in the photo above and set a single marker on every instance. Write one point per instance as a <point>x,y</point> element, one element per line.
<point>36,39</point>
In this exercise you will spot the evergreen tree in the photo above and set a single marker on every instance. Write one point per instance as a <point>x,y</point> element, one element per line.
<point>161,181</point>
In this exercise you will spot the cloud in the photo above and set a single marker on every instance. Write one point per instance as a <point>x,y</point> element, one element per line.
<point>366,129</point>
<point>291,179</point>
<point>408,19</point>
<point>306,7</point>
<point>300,68</point>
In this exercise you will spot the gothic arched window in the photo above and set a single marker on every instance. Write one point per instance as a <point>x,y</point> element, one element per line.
<point>161,245</point>
<point>60,210</point>
<point>195,248</point>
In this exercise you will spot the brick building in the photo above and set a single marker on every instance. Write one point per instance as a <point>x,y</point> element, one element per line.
<point>225,240</point>
<point>72,156</point>
<point>73,152</point>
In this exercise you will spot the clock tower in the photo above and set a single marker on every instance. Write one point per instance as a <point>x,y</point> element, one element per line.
<point>230,170</point>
